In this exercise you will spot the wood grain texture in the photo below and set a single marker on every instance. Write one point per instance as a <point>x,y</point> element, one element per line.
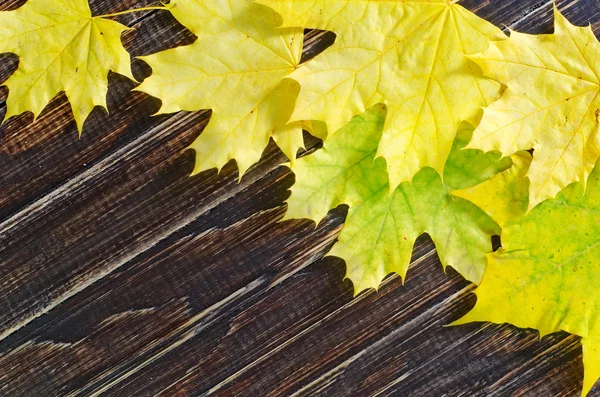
<point>123,276</point>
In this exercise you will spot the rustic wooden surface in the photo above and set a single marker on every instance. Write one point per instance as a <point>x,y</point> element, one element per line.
<point>122,276</point>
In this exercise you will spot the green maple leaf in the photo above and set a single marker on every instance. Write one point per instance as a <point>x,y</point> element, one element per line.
<point>381,229</point>
<point>546,276</point>
<point>61,47</point>
<point>237,68</point>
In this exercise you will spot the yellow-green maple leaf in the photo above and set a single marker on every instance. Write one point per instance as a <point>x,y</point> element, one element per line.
<point>546,276</point>
<point>237,68</point>
<point>380,230</point>
<point>61,47</point>
<point>552,104</point>
<point>505,197</point>
<point>406,54</point>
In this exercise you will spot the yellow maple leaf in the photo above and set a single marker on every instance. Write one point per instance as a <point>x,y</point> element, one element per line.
<point>406,54</point>
<point>61,47</point>
<point>237,68</point>
<point>552,104</point>
<point>591,361</point>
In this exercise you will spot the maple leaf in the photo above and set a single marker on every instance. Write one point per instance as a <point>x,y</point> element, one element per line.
<point>552,104</point>
<point>61,47</point>
<point>591,361</point>
<point>545,277</point>
<point>491,196</point>
<point>379,57</point>
<point>237,68</point>
<point>380,229</point>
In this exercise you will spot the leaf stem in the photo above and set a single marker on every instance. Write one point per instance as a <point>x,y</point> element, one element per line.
<point>116,14</point>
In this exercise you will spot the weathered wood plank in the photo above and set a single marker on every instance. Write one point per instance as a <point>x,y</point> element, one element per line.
<point>111,162</point>
<point>197,256</point>
<point>124,276</point>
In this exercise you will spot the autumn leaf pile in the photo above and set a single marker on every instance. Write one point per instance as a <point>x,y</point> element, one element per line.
<point>433,120</point>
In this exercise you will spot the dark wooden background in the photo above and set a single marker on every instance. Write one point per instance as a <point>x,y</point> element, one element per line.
<point>120,275</point>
